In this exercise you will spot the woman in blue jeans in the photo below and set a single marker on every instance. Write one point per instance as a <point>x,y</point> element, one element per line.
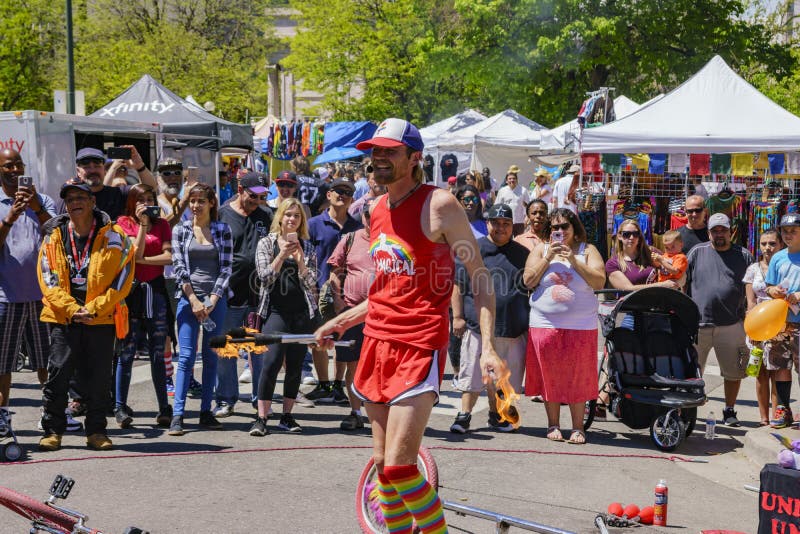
<point>202,256</point>
<point>147,302</point>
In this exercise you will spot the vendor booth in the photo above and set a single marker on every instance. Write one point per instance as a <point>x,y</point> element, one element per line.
<point>714,135</point>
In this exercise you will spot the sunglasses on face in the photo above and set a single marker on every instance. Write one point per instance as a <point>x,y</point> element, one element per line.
<point>171,173</point>
<point>87,162</point>
<point>694,210</point>
<point>469,200</point>
<point>629,234</point>
<point>344,192</point>
<point>257,196</point>
<point>562,226</point>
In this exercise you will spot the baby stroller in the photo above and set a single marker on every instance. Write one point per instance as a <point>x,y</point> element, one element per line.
<point>649,375</point>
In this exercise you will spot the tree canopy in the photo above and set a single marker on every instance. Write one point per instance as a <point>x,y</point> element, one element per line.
<point>425,59</point>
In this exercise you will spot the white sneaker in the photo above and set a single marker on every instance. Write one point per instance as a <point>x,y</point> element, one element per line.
<point>223,410</point>
<point>302,400</point>
<point>246,377</point>
<point>309,379</point>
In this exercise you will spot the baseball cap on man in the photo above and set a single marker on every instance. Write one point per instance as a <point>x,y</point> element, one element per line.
<point>790,219</point>
<point>343,182</point>
<point>90,153</point>
<point>500,211</point>
<point>75,183</point>
<point>394,132</point>
<point>574,168</point>
<point>719,219</point>
<point>254,182</point>
<point>286,177</point>
<point>170,162</point>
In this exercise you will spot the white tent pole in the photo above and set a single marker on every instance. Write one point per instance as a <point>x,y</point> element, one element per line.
<point>217,155</point>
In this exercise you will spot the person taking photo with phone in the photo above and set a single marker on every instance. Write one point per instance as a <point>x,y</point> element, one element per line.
<point>23,211</point>
<point>561,363</point>
<point>90,163</point>
<point>147,301</point>
<point>286,263</point>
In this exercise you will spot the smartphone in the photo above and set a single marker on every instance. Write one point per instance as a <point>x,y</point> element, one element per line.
<point>291,237</point>
<point>153,212</point>
<point>118,152</point>
<point>557,236</point>
<point>25,181</point>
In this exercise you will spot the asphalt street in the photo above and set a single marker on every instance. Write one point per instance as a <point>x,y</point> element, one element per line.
<point>229,482</point>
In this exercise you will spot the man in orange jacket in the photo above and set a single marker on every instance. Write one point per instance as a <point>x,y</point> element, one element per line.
<point>85,272</point>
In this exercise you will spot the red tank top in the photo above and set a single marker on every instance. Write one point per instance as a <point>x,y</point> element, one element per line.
<point>410,295</point>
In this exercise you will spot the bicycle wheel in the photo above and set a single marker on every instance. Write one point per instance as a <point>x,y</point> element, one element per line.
<point>34,510</point>
<point>368,509</point>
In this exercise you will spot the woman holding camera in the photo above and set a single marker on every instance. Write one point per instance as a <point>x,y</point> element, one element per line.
<point>147,301</point>
<point>562,342</point>
<point>286,264</point>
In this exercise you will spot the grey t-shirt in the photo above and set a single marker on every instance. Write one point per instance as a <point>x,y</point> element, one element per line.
<point>714,281</point>
<point>204,262</point>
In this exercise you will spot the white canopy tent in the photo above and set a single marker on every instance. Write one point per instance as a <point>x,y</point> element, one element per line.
<point>444,129</point>
<point>715,111</point>
<point>561,143</point>
<point>498,142</point>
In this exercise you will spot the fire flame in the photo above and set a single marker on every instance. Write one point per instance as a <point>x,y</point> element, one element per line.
<point>507,399</point>
<point>231,350</point>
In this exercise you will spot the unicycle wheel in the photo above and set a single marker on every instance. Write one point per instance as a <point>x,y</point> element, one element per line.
<point>12,452</point>
<point>368,509</point>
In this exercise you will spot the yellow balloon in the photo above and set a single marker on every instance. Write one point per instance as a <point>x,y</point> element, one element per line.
<point>766,320</point>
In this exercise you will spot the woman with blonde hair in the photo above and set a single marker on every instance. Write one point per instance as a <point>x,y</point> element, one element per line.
<point>286,264</point>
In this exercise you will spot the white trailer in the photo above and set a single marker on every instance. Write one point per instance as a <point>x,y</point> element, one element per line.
<point>48,142</point>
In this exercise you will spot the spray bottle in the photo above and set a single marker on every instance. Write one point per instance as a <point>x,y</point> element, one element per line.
<point>660,508</point>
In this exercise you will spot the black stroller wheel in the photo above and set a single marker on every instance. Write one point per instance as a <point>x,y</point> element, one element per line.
<point>689,416</point>
<point>588,414</point>
<point>667,431</point>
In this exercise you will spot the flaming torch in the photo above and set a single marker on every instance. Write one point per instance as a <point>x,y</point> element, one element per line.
<point>231,347</point>
<point>507,398</point>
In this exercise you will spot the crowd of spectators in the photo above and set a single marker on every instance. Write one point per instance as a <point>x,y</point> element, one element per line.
<point>132,262</point>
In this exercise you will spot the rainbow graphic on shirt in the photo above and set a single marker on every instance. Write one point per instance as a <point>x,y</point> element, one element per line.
<point>391,256</point>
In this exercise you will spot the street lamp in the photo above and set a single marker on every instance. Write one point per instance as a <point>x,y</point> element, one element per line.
<point>70,61</point>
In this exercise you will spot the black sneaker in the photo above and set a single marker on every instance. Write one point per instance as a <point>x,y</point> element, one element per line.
<point>208,420</point>
<point>259,427</point>
<point>352,422</point>
<point>176,426</point>
<point>339,396</point>
<point>729,417</point>
<point>495,423</point>
<point>288,423</point>
<point>322,393</point>
<point>123,419</point>
<point>461,424</point>
<point>164,417</point>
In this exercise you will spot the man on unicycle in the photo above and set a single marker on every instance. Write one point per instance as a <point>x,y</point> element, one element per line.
<point>416,229</point>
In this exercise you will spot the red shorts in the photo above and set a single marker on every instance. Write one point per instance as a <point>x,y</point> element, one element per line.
<point>389,372</point>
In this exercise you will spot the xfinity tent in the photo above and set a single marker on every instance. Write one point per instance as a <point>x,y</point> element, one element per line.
<point>715,111</point>
<point>149,101</point>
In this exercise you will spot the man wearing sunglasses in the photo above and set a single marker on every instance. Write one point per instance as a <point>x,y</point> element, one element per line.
<point>249,218</point>
<point>325,230</point>
<point>695,231</point>
<point>170,171</point>
<point>90,163</point>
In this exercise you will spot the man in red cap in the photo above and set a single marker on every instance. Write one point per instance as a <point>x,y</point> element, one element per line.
<point>415,231</point>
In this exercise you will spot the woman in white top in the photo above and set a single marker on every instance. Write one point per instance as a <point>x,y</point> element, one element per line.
<point>544,189</point>
<point>755,287</point>
<point>561,363</point>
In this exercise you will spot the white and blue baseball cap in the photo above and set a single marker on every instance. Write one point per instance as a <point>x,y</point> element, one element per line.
<point>394,132</point>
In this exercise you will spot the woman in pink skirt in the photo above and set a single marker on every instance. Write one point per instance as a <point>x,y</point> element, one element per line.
<point>561,361</point>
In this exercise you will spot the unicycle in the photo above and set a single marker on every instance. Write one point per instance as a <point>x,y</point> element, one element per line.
<point>368,509</point>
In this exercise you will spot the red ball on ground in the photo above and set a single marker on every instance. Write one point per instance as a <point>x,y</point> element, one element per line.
<point>646,515</point>
<point>615,508</point>
<point>631,511</point>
